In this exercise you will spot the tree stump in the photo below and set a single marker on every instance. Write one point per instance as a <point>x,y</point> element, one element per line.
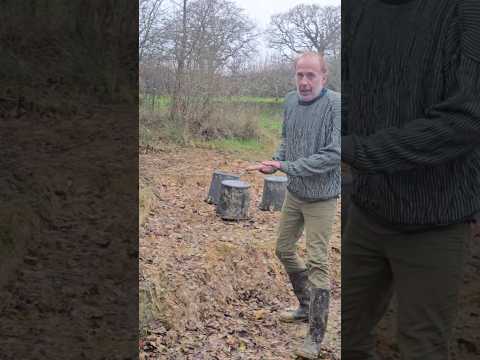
<point>274,188</point>
<point>234,200</point>
<point>216,185</point>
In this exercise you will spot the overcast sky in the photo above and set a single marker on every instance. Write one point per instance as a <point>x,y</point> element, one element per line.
<point>261,10</point>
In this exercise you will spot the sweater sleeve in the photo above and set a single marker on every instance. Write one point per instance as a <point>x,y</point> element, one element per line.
<point>326,158</point>
<point>449,129</point>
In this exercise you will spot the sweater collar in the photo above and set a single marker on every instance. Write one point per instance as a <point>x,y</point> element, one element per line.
<point>303,102</point>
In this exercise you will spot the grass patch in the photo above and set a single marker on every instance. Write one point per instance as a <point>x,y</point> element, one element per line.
<point>146,202</point>
<point>252,100</point>
<point>238,145</point>
<point>155,130</point>
<point>271,121</point>
<point>152,306</point>
<point>154,103</point>
<point>248,126</point>
<point>264,145</point>
<point>245,148</point>
<point>157,102</point>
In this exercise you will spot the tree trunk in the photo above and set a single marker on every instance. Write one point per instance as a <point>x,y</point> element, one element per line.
<point>177,111</point>
<point>216,185</point>
<point>234,200</point>
<point>274,188</point>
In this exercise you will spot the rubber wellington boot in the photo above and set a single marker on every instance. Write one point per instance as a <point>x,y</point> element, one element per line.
<point>299,282</point>
<point>317,325</point>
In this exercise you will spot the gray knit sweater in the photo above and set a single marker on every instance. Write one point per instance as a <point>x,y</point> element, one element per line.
<point>309,152</point>
<point>411,90</point>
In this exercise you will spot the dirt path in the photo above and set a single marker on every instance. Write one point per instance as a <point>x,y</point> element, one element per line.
<point>213,289</point>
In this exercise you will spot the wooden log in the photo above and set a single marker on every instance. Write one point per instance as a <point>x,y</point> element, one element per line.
<point>216,185</point>
<point>234,200</point>
<point>274,188</point>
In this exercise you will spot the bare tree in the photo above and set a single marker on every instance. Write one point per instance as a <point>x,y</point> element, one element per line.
<point>306,27</point>
<point>271,77</point>
<point>206,39</point>
<point>177,109</point>
<point>150,26</point>
<point>219,35</point>
<point>335,73</point>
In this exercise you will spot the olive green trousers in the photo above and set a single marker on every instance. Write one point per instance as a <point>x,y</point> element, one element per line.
<point>317,219</point>
<point>423,267</point>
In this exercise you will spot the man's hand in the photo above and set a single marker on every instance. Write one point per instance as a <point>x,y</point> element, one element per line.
<point>262,168</point>
<point>272,163</point>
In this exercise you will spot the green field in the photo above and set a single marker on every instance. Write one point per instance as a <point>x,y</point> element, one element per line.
<point>267,112</point>
<point>270,121</point>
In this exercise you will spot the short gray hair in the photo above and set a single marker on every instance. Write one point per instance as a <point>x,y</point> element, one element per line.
<point>316,55</point>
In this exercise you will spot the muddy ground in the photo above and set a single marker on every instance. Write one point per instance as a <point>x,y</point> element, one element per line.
<point>212,289</point>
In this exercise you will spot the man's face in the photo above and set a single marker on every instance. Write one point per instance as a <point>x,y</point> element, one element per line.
<point>309,78</point>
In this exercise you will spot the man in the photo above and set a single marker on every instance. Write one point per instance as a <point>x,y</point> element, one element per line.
<point>309,154</point>
<point>412,139</point>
